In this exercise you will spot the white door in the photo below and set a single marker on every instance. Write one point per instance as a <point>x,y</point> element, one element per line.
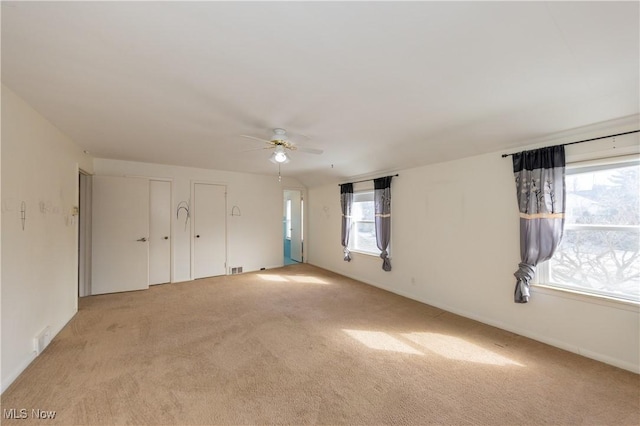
<point>209,230</point>
<point>159,232</point>
<point>296,225</point>
<point>120,251</point>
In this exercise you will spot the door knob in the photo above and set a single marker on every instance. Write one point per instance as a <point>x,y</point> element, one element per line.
<point>142,240</point>
<point>166,238</point>
<point>197,236</point>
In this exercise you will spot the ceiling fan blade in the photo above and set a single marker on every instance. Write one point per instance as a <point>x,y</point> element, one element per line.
<point>309,150</point>
<point>254,138</point>
<point>257,149</point>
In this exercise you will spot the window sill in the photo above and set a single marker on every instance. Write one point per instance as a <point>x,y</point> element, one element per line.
<point>627,305</point>
<point>366,253</point>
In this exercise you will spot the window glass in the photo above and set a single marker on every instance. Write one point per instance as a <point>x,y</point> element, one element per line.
<point>363,232</point>
<point>599,252</point>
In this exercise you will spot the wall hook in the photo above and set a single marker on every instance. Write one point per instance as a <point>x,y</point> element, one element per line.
<point>183,205</point>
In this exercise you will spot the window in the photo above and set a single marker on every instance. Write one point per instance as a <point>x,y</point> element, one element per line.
<point>363,228</point>
<point>599,252</point>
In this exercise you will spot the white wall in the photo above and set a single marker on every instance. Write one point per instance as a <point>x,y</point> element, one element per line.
<point>254,239</point>
<point>455,245</point>
<point>39,263</point>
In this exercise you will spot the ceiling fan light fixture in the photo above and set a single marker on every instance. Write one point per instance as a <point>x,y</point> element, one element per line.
<point>279,156</point>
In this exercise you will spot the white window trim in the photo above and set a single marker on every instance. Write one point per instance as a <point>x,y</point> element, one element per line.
<point>364,253</point>
<point>371,254</point>
<point>542,269</point>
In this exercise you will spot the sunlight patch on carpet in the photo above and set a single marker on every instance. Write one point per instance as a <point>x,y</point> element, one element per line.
<point>458,349</point>
<point>277,278</point>
<point>304,279</point>
<point>307,279</point>
<point>381,341</point>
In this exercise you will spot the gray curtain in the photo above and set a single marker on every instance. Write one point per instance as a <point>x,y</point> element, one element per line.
<point>382,202</point>
<point>346,201</point>
<point>539,176</point>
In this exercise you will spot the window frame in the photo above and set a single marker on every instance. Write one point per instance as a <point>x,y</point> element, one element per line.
<point>542,281</point>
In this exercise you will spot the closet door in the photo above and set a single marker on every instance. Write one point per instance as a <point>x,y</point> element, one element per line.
<point>159,232</point>
<point>209,230</point>
<point>120,232</point>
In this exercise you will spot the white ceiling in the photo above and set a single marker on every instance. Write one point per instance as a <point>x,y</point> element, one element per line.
<point>378,86</point>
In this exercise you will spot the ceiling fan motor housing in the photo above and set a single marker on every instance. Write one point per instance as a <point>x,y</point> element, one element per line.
<point>279,137</point>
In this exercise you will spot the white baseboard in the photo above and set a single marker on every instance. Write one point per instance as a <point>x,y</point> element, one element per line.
<point>14,375</point>
<point>30,358</point>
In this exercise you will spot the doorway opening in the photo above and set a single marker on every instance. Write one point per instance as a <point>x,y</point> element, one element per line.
<point>292,227</point>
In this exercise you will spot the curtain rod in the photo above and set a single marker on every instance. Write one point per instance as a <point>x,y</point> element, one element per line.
<point>586,140</point>
<point>367,180</point>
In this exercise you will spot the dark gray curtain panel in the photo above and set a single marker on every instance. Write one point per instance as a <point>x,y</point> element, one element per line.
<point>539,176</point>
<point>382,202</point>
<point>346,202</point>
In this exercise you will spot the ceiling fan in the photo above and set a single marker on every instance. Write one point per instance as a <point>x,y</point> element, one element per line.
<point>280,143</point>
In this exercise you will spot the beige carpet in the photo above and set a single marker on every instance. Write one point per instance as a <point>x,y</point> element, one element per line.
<point>300,345</point>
